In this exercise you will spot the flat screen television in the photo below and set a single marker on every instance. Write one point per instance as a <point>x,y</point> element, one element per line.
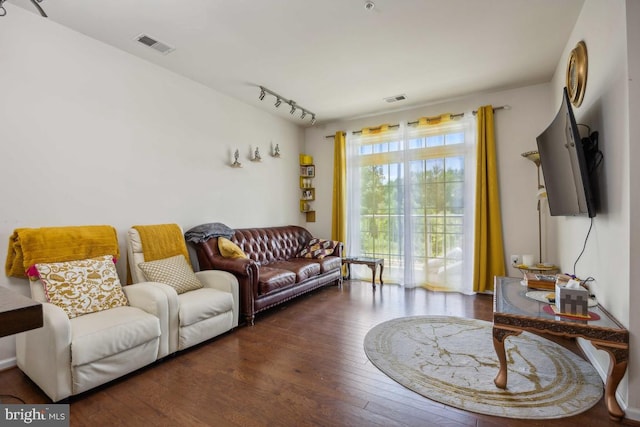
<point>565,167</point>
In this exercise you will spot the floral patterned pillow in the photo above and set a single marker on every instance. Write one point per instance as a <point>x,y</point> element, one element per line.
<point>318,248</point>
<point>83,286</point>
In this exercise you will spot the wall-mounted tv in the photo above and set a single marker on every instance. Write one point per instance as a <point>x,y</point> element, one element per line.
<point>564,165</point>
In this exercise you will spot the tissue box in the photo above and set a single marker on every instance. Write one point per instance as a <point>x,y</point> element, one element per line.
<point>570,300</point>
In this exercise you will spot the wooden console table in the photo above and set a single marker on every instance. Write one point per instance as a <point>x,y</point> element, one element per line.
<point>372,263</point>
<point>18,313</point>
<point>513,313</point>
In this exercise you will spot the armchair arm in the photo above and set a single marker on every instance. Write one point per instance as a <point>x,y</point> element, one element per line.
<point>52,373</point>
<point>154,300</point>
<point>223,281</point>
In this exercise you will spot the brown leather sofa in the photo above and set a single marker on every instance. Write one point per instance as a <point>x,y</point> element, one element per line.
<point>272,273</point>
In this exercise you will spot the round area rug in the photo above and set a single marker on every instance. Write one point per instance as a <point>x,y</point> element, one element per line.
<point>452,360</point>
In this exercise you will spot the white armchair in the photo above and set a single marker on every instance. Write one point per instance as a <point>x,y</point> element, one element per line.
<point>68,356</point>
<point>194,315</point>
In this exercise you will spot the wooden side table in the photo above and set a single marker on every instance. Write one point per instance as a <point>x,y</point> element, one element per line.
<point>18,313</point>
<point>372,263</point>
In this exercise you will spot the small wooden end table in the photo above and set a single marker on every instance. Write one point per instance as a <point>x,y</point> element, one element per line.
<point>372,263</point>
<point>18,313</point>
<point>513,313</point>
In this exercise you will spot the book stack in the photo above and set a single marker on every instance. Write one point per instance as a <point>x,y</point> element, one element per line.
<point>540,281</point>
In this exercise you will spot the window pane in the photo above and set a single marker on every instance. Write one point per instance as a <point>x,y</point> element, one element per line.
<point>454,138</point>
<point>435,141</point>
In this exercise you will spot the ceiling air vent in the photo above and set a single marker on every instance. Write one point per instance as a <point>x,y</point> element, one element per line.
<point>154,44</point>
<point>396,98</point>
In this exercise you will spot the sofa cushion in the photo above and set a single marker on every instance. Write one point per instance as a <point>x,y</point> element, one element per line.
<point>302,267</point>
<point>318,248</point>
<point>174,271</point>
<point>203,304</point>
<point>83,286</point>
<point>228,249</point>
<point>329,263</point>
<point>110,332</point>
<point>271,279</point>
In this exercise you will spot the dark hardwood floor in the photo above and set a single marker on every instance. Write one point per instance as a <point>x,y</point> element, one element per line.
<point>302,364</point>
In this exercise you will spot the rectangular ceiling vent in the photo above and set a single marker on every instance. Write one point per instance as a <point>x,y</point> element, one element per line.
<point>396,98</point>
<point>146,40</point>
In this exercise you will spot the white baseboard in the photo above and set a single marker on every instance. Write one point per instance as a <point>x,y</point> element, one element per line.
<point>7,363</point>
<point>590,351</point>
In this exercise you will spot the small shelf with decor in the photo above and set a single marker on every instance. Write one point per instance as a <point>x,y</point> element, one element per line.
<point>307,191</point>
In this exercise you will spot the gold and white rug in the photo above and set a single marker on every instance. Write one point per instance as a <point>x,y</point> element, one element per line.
<point>451,360</point>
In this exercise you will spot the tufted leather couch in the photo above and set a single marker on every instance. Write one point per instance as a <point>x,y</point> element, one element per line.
<point>273,273</point>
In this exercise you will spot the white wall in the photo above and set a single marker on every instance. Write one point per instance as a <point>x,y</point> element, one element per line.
<point>516,130</point>
<point>633,59</point>
<point>606,109</point>
<point>93,135</point>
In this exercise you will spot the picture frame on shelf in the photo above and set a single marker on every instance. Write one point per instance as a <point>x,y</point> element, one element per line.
<point>309,194</point>
<point>308,171</point>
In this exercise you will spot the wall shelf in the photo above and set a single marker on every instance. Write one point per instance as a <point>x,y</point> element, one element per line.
<point>307,191</point>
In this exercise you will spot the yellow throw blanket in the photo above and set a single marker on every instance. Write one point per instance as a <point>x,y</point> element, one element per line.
<point>28,246</point>
<point>162,241</point>
<point>159,242</point>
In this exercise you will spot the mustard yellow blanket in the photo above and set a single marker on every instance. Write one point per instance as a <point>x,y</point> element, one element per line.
<point>158,242</point>
<point>28,246</point>
<point>162,241</point>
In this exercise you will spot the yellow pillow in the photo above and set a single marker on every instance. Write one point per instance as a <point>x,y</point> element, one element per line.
<point>228,249</point>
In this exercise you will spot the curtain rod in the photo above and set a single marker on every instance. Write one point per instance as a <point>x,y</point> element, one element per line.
<point>474,112</point>
<point>453,116</point>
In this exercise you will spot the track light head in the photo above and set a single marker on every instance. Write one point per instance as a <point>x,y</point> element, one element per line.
<point>278,102</point>
<point>303,115</point>
<point>262,94</point>
<point>313,119</point>
<point>293,109</point>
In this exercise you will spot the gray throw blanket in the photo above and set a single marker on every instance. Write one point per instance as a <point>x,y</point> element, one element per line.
<point>203,232</point>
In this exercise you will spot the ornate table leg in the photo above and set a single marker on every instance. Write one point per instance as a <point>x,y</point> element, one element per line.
<point>619,358</point>
<point>372,266</point>
<point>499,335</point>
<point>381,269</point>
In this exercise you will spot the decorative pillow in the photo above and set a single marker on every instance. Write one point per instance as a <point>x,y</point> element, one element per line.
<point>318,248</point>
<point>84,286</point>
<point>174,271</point>
<point>228,249</point>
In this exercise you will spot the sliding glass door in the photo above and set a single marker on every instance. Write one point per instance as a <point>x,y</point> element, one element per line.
<point>410,202</point>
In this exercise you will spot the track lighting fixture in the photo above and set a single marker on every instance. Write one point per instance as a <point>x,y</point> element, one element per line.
<point>3,11</point>
<point>280,99</point>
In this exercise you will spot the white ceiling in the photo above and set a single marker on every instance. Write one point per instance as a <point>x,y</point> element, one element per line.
<point>335,57</point>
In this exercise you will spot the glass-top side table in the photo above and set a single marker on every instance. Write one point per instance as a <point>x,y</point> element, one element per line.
<point>514,312</point>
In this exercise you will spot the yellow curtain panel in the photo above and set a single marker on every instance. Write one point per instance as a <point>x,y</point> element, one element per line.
<point>339,208</point>
<point>489,248</point>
